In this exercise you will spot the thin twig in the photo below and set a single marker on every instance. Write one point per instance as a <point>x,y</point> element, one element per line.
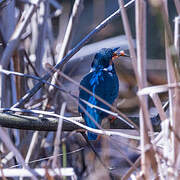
<point>32,146</point>
<point>7,141</point>
<point>58,137</point>
<point>129,172</point>
<point>177,33</point>
<point>93,149</point>
<point>107,111</point>
<point>158,104</point>
<point>30,63</point>
<point>49,157</point>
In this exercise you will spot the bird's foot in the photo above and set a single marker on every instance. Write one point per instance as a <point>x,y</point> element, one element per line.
<point>81,130</point>
<point>112,119</point>
<point>98,138</point>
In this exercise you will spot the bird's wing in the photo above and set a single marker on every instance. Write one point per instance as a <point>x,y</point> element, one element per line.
<point>110,89</point>
<point>105,85</point>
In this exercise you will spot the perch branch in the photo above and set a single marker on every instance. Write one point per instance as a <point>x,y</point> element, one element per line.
<point>49,124</point>
<point>33,123</point>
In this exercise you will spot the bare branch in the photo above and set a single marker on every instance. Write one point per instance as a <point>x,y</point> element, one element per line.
<point>49,124</point>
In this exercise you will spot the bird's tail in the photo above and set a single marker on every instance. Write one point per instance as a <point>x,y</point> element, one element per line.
<point>96,116</point>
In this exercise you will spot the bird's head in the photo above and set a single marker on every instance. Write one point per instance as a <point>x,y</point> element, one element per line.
<point>105,57</point>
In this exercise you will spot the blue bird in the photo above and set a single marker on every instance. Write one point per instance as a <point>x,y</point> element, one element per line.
<point>102,81</point>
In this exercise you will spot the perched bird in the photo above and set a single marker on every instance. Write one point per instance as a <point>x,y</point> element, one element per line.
<point>102,81</point>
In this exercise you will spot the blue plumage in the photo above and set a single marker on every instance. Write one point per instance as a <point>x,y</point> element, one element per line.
<point>103,82</point>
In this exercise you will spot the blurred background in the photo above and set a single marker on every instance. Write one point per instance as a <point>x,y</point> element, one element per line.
<point>94,11</point>
<point>51,31</point>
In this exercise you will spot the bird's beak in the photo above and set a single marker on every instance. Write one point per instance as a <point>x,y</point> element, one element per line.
<point>118,54</point>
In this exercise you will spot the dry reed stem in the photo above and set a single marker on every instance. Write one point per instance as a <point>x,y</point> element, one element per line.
<point>58,137</point>
<point>176,127</point>
<point>177,33</point>
<point>145,124</point>
<point>33,143</point>
<point>73,20</point>
<point>146,160</point>
<point>132,169</point>
<point>131,47</point>
<point>177,4</point>
<point>7,27</point>
<point>32,146</point>
<point>173,77</point>
<point>172,69</point>
<point>177,98</point>
<point>158,105</point>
